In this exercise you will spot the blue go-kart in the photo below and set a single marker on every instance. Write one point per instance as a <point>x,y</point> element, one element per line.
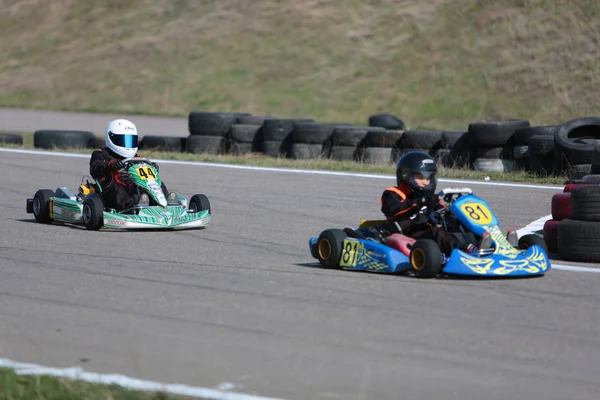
<point>465,216</point>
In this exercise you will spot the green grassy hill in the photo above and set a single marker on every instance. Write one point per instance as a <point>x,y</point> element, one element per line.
<point>434,63</point>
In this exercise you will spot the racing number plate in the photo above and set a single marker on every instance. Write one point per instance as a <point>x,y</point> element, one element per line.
<point>145,173</point>
<point>478,213</point>
<point>350,250</point>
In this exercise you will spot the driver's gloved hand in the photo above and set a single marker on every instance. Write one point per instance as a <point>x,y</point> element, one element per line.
<point>116,164</point>
<point>155,165</point>
<point>434,217</point>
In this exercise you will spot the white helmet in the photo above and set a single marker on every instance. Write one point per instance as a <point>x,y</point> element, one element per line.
<point>122,137</point>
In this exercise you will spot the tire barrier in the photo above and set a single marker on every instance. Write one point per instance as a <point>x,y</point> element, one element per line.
<point>571,149</point>
<point>11,138</point>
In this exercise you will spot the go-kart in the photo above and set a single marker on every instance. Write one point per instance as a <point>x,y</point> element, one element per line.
<point>465,216</point>
<point>87,206</point>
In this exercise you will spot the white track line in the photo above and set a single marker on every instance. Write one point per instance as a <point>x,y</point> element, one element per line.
<point>291,170</point>
<point>77,373</point>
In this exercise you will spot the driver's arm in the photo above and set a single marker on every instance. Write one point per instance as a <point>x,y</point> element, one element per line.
<point>99,164</point>
<point>395,208</point>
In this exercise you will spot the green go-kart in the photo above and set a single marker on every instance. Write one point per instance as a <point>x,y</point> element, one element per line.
<point>87,206</point>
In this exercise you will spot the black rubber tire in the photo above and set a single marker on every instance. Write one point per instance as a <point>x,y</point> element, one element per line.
<point>561,206</point>
<point>585,203</point>
<point>377,155</point>
<point>348,136</point>
<point>311,132</point>
<point>49,139</point>
<point>93,212</point>
<point>274,148</point>
<point>387,139</point>
<point>211,123</point>
<point>576,139</point>
<point>489,165</point>
<point>199,202</point>
<point>97,142</point>
<point>541,145</point>
<point>426,258</point>
<point>163,143</point>
<point>41,208</point>
<point>521,136</point>
<point>244,133</point>
<point>387,121</point>
<point>504,152</point>
<point>551,235</point>
<point>329,247</point>
<point>11,138</point>
<point>578,240</point>
<point>344,153</point>
<point>450,138</point>
<point>526,241</point>
<point>201,144</point>
<point>424,140</point>
<point>258,120</point>
<point>305,151</point>
<point>276,130</point>
<point>579,171</point>
<point>240,148</point>
<point>520,152</point>
<point>494,133</point>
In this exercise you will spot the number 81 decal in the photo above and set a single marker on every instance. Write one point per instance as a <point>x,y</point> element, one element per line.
<point>349,253</point>
<point>478,213</point>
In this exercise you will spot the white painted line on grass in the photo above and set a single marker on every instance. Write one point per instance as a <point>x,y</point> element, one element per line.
<point>78,373</point>
<point>290,170</point>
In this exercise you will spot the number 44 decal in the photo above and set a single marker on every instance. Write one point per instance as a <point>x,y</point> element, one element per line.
<point>145,173</point>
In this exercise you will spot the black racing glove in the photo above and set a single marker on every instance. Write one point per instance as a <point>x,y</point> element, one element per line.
<point>116,164</point>
<point>155,165</point>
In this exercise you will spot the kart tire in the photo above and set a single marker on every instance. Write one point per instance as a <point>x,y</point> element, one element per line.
<point>561,206</point>
<point>551,235</point>
<point>329,247</point>
<point>199,202</point>
<point>93,212</point>
<point>527,241</point>
<point>425,258</point>
<point>41,208</point>
<point>585,203</point>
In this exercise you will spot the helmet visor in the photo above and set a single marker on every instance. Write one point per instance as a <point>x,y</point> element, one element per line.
<point>127,141</point>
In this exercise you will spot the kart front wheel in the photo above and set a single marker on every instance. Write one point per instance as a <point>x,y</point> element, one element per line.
<point>93,212</point>
<point>527,241</point>
<point>426,258</point>
<point>329,247</point>
<point>199,202</point>
<point>41,206</point>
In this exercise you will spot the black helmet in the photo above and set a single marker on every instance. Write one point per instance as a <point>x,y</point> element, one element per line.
<point>416,162</point>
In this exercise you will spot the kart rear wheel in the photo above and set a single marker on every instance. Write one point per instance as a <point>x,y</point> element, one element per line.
<point>426,258</point>
<point>329,247</point>
<point>41,206</point>
<point>93,212</point>
<point>199,202</point>
<point>527,241</point>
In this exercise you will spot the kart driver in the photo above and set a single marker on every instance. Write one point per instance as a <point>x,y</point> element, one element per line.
<point>416,182</point>
<point>118,191</point>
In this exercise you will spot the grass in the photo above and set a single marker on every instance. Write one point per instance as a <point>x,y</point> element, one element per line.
<point>323,164</point>
<point>436,64</point>
<point>35,387</point>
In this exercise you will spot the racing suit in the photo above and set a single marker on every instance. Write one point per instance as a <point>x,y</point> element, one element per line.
<point>399,204</point>
<point>117,191</point>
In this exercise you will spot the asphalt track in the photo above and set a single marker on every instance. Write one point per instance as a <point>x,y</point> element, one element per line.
<point>243,302</point>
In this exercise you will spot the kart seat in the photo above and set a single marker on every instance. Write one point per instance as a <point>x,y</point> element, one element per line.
<point>400,242</point>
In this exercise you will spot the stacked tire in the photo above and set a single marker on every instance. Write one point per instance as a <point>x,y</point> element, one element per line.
<point>209,131</point>
<point>561,209</point>
<point>579,235</point>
